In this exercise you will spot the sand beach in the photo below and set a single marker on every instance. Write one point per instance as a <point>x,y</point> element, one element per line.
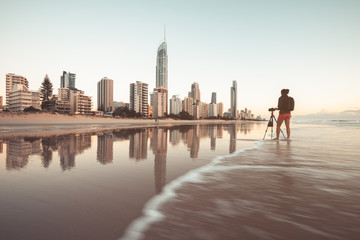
<point>47,124</point>
<point>105,178</point>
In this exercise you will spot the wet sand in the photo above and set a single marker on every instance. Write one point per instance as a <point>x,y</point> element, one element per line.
<point>307,188</point>
<point>92,186</point>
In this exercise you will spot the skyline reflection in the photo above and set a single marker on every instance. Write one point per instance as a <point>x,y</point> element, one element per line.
<point>66,147</point>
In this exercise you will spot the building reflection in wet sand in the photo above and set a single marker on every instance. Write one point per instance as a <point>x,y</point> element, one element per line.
<point>67,147</point>
<point>105,148</point>
<point>138,145</point>
<point>158,144</point>
<point>18,151</point>
<point>125,166</point>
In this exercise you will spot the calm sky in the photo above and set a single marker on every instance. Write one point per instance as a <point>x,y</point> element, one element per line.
<point>311,47</point>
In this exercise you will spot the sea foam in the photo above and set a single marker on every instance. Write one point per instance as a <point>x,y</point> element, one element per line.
<point>151,212</point>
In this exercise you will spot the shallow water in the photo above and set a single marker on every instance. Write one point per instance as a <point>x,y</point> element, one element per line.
<point>92,186</point>
<point>307,188</point>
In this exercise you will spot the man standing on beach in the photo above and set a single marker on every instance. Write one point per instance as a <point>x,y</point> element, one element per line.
<point>285,105</point>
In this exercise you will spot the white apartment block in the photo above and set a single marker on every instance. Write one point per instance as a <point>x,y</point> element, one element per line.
<point>20,98</point>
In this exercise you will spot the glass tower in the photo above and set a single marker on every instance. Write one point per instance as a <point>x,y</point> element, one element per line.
<point>162,66</point>
<point>68,80</point>
<point>233,101</point>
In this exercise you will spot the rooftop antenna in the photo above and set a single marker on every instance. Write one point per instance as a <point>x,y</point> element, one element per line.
<point>164,32</point>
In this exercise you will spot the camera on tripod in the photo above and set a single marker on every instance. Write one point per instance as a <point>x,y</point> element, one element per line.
<point>271,122</point>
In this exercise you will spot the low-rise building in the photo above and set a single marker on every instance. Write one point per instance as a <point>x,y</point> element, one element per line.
<point>21,98</point>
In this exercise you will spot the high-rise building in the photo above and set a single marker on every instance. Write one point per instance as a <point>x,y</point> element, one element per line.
<point>105,92</point>
<point>11,80</point>
<point>213,110</point>
<point>220,109</point>
<point>188,105</point>
<point>139,97</point>
<point>67,80</point>
<point>162,71</point>
<point>204,109</point>
<point>233,100</point>
<point>175,105</point>
<point>195,92</point>
<point>159,101</point>
<point>213,97</point>
<point>162,66</point>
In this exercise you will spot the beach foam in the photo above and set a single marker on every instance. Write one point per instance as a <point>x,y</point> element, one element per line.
<point>151,212</point>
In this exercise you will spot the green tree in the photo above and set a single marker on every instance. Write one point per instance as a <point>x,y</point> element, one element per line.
<point>46,89</point>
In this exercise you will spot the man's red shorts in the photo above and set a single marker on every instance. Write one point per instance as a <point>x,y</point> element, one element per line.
<point>284,116</point>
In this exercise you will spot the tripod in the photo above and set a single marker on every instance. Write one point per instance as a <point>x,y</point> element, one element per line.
<point>271,124</point>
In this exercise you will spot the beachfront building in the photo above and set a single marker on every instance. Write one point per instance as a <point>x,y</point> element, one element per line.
<point>105,90</point>
<point>11,80</point>
<point>188,105</point>
<point>1,103</point>
<point>213,97</point>
<point>139,98</point>
<point>213,110</point>
<point>195,92</point>
<point>159,102</point>
<point>246,114</point>
<point>120,105</point>
<point>175,105</point>
<point>233,100</point>
<point>21,98</point>
<point>204,109</point>
<point>162,66</point>
<point>220,109</point>
<point>161,79</point>
<point>67,80</point>
<point>80,103</point>
<point>196,111</point>
<point>150,111</point>
<point>72,101</point>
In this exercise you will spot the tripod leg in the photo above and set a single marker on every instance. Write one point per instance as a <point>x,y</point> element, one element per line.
<point>265,133</point>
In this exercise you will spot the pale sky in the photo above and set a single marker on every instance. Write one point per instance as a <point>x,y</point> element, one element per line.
<point>310,47</point>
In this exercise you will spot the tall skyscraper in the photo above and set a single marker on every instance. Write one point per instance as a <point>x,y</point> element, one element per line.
<point>105,92</point>
<point>11,80</point>
<point>162,66</point>
<point>162,69</point>
<point>233,100</point>
<point>213,97</point>
<point>139,97</point>
<point>195,92</point>
<point>67,80</point>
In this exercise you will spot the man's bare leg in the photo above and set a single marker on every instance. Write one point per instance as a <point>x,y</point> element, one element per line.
<point>287,124</point>
<point>279,122</point>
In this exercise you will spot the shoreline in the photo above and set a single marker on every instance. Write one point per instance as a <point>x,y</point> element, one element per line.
<point>48,124</point>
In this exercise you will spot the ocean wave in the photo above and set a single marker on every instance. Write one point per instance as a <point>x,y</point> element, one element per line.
<point>339,123</point>
<point>151,212</point>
